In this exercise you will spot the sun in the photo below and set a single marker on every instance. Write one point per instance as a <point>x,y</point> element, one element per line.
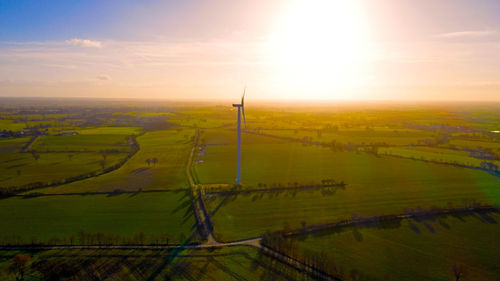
<point>318,48</point>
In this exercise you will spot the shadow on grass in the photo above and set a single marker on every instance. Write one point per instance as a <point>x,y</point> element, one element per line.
<point>426,221</point>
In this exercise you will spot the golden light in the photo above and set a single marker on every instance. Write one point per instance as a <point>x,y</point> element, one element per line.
<point>318,48</point>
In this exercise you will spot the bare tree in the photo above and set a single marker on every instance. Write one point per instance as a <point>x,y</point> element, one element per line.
<point>102,163</point>
<point>19,264</point>
<point>104,154</point>
<point>35,155</point>
<point>458,271</point>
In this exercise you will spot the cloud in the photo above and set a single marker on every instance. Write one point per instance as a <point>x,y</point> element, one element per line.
<point>84,43</point>
<point>468,34</point>
<point>103,77</point>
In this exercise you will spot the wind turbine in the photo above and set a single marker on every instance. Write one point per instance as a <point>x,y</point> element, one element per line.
<point>241,110</point>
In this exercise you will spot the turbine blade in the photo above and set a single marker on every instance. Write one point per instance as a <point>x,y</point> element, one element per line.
<point>243,96</point>
<point>243,106</point>
<point>243,112</point>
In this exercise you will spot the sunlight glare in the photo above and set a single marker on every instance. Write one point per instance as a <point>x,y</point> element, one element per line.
<point>318,48</point>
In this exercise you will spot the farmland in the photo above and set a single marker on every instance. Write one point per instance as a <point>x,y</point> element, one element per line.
<point>171,148</point>
<point>160,179</point>
<point>61,219</point>
<point>413,250</point>
<point>22,167</point>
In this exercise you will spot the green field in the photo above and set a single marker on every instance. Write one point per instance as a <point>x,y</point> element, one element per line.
<point>81,143</point>
<point>170,147</point>
<point>415,250</point>
<point>462,143</point>
<point>109,131</point>
<point>10,125</point>
<point>356,136</point>
<point>60,217</point>
<point>50,167</point>
<point>375,186</point>
<point>9,145</point>
<point>436,155</point>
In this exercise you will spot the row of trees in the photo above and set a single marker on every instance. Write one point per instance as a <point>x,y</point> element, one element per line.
<point>489,166</point>
<point>93,238</point>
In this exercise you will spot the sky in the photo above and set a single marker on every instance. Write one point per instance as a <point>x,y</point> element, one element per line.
<point>281,49</point>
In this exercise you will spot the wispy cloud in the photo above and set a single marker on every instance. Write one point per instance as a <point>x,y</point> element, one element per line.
<point>468,34</point>
<point>103,77</point>
<point>84,43</point>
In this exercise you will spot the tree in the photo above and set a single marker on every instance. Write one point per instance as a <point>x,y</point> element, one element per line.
<point>35,155</point>
<point>18,172</point>
<point>458,271</point>
<point>155,161</point>
<point>19,264</point>
<point>102,163</point>
<point>148,161</point>
<point>70,156</point>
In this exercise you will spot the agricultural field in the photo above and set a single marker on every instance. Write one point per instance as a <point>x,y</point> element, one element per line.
<point>372,188</point>
<point>18,169</point>
<point>165,177</point>
<point>440,155</point>
<point>171,148</point>
<point>412,249</point>
<point>60,219</point>
<point>81,143</point>
<point>126,131</point>
<point>10,125</point>
<point>364,136</point>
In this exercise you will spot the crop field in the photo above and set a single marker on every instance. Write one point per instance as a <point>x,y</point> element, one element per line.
<point>127,131</point>
<point>372,188</point>
<point>413,250</point>
<point>60,219</point>
<point>18,169</point>
<point>435,155</point>
<point>495,145</point>
<point>170,147</point>
<point>122,177</point>
<point>12,145</point>
<point>358,137</point>
<point>10,125</point>
<point>81,143</point>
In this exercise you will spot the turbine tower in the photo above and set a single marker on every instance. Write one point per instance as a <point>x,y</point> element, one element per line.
<point>241,111</point>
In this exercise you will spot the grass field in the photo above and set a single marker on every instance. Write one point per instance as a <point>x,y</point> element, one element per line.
<point>416,250</point>
<point>50,217</point>
<point>375,186</point>
<point>357,136</point>
<point>10,145</point>
<point>10,125</point>
<point>436,155</point>
<point>461,143</point>
<point>170,147</point>
<point>81,143</point>
<point>109,131</point>
<point>17,169</point>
